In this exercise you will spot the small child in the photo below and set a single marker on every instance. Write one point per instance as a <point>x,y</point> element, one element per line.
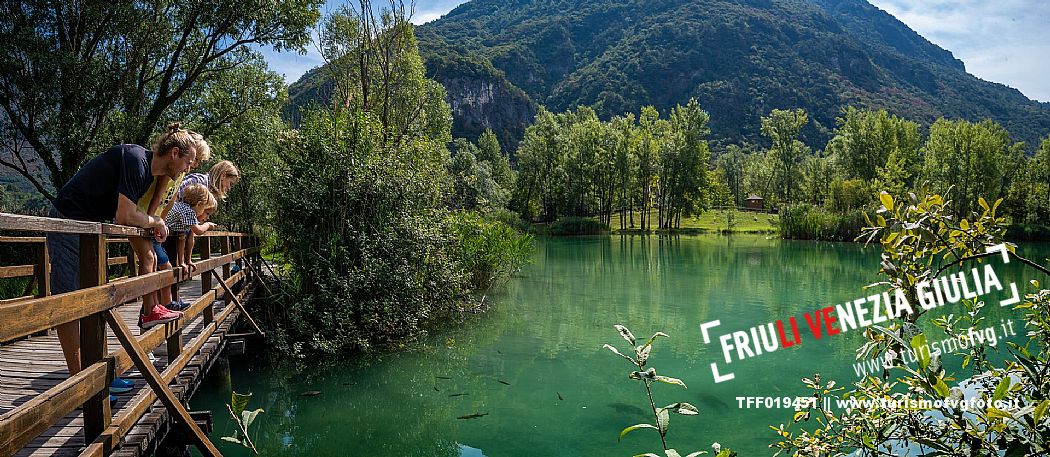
<point>187,218</point>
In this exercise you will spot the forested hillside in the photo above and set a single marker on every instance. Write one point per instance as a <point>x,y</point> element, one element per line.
<point>499,59</point>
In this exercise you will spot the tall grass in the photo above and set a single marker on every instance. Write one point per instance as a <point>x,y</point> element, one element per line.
<point>808,222</point>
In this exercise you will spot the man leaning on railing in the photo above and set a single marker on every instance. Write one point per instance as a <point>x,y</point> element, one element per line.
<point>122,184</point>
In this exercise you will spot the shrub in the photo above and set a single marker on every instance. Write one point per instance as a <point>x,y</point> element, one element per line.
<point>808,222</point>
<point>488,250</point>
<point>850,194</point>
<point>361,224</point>
<point>566,226</point>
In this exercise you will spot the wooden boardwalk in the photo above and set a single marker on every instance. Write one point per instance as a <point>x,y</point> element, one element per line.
<point>44,410</point>
<point>32,366</point>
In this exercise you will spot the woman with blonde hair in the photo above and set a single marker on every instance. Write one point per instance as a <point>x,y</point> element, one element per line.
<point>219,180</point>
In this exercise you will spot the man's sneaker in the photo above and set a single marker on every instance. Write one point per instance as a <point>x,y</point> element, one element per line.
<point>177,305</point>
<point>158,316</point>
<point>120,386</point>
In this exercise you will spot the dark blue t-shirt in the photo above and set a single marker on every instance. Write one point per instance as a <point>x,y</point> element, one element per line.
<point>92,194</point>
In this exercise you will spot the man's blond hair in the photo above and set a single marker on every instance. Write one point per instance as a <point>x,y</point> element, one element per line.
<point>177,137</point>
<point>197,194</point>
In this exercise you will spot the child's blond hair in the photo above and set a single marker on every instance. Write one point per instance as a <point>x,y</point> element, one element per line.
<point>219,173</point>
<point>196,194</point>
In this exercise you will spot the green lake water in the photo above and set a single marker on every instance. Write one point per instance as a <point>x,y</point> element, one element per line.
<point>534,366</point>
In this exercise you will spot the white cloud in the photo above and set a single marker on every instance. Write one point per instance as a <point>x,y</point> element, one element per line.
<point>1002,41</point>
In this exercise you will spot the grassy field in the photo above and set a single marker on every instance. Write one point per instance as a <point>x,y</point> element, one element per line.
<point>714,221</point>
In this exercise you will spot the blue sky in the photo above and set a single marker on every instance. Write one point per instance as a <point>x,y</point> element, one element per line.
<point>1004,41</point>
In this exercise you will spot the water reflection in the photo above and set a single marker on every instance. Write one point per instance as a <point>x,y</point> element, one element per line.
<point>534,366</point>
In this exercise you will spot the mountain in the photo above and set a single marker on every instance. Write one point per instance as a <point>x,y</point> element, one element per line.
<point>501,59</point>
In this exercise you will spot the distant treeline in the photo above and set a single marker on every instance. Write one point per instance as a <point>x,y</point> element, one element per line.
<point>573,164</point>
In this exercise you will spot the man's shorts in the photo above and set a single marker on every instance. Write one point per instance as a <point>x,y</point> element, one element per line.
<point>63,250</point>
<point>162,255</point>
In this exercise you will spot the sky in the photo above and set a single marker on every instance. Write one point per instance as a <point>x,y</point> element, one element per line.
<point>1004,41</point>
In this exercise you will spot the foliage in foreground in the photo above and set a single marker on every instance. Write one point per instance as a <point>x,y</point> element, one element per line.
<point>243,418</point>
<point>920,240</point>
<point>661,416</point>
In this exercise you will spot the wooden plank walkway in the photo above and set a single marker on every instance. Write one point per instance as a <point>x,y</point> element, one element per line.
<point>33,365</point>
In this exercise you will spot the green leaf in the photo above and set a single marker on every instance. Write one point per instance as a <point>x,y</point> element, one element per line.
<point>617,352</point>
<point>1040,410</point>
<point>669,380</point>
<point>238,402</point>
<point>984,203</point>
<point>632,428</point>
<point>891,334</point>
<point>799,415</point>
<point>653,338</point>
<point>918,345</point>
<point>626,334</point>
<point>1002,388</point>
<point>941,388</point>
<point>231,439</point>
<point>683,408</point>
<point>998,413</point>
<point>663,418</point>
<point>697,453</point>
<point>887,200</point>
<point>247,417</point>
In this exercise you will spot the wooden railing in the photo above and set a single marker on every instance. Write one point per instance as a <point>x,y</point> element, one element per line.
<point>94,306</point>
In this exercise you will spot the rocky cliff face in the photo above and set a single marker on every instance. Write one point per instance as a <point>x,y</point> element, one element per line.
<point>480,103</point>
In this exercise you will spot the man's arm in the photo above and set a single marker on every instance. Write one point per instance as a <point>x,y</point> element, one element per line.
<point>128,214</point>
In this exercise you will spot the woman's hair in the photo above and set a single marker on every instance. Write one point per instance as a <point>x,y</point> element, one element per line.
<point>197,194</point>
<point>203,149</point>
<point>186,140</point>
<point>220,173</point>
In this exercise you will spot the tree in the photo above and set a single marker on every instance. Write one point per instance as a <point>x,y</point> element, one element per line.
<point>489,150</point>
<point>375,63</point>
<point>625,147</point>
<point>866,141</point>
<point>684,181</point>
<point>651,130</point>
<point>783,127</point>
<point>1041,170</point>
<point>731,165</point>
<point>79,72</point>
<point>964,161</point>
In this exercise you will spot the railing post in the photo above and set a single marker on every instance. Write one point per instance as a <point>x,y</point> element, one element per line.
<point>93,334</point>
<point>132,265</point>
<point>43,271</point>
<point>174,341</point>
<point>224,248</point>
<point>205,247</point>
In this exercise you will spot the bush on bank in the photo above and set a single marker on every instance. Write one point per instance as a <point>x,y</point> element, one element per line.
<point>374,253</point>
